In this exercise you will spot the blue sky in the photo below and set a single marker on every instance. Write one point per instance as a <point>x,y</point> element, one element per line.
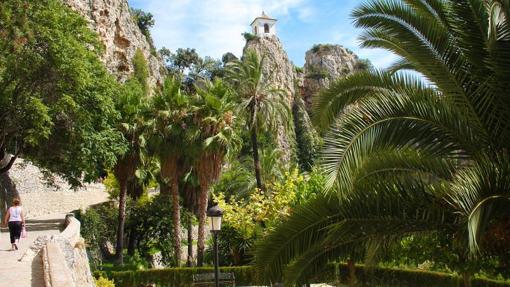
<point>214,27</point>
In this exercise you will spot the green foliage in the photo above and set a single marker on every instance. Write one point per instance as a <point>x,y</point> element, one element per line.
<point>307,139</point>
<point>145,22</point>
<point>317,73</point>
<point>317,48</point>
<point>96,229</point>
<point>299,70</point>
<point>56,99</point>
<point>244,275</point>
<point>151,221</point>
<point>246,219</point>
<point>391,277</point>
<point>185,59</point>
<point>141,70</point>
<point>249,36</point>
<point>404,157</point>
<point>104,282</point>
<point>233,247</point>
<point>263,107</point>
<point>363,65</point>
<point>228,57</point>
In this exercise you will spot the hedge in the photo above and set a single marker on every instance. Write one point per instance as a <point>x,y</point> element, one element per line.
<point>391,277</point>
<point>244,275</point>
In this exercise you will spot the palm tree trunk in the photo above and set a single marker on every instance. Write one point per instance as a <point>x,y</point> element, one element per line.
<point>466,278</point>
<point>352,273</point>
<point>256,159</point>
<point>176,218</point>
<point>202,209</point>
<point>189,261</point>
<point>169,166</point>
<point>121,221</point>
<point>132,241</point>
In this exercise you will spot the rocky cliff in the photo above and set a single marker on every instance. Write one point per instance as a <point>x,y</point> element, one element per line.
<point>323,64</point>
<point>112,21</point>
<point>279,71</point>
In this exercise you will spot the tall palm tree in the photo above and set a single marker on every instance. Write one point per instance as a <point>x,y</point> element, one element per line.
<point>172,113</point>
<point>217,137</point>
<point>406,156</point>
<point>262,105</point>
<point>130,103</point>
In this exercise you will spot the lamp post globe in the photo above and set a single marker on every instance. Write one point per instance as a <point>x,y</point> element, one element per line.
<point>215,214</point>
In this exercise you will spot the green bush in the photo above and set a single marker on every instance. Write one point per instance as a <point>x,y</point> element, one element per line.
<point>103,282</point>
<point>249,36</point>
<point>391,277</point>
<point>244,275</point>
<point>97,229</point>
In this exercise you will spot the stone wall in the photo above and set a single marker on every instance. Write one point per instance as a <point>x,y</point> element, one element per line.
<point>64,257</point>
<point>43,193</point>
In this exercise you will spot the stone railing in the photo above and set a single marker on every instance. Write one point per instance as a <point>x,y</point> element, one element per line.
<point>64,258</point>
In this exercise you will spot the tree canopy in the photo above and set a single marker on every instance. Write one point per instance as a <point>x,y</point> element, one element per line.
<point>403,156</point>
<point>56,105</point>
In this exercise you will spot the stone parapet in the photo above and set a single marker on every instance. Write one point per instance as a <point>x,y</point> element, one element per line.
<point>65,261</point>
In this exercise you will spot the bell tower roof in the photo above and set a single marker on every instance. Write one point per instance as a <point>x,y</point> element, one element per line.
<point>263,16</point>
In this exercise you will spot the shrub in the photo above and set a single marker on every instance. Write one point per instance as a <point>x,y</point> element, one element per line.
<point>104,282</point>
<point>97,229</point>
<point>244,275</point>
<point>233,247</point>
<point>299,70</point>
<point>364,64</point>
<point>321,48</point>
<point>391,277</point>
<point>249,36</point>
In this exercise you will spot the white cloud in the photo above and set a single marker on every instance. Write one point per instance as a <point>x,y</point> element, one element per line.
<point>214,27</point>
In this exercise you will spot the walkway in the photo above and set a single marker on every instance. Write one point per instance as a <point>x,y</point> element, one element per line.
<point>26,274</point>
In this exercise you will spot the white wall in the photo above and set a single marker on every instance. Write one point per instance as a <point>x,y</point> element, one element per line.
<point>259,23</point>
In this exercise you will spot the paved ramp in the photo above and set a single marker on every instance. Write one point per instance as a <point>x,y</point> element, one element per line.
<point>26,274</point>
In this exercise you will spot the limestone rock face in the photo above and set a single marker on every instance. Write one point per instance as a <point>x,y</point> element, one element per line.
<point>323,64</point>
<point>279,71</point>
<point>120,35</point>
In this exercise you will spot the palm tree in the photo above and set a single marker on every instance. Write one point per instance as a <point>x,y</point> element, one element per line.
<point>405,156</point>
<point>130,103</point>
<point>262,105</point>
<point>171,119</point>
<point>217,137</point>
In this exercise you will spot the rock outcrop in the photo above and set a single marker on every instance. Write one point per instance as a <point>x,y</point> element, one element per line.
<point>119,33</point>
<point>324,63</point>
<point>279,71</point>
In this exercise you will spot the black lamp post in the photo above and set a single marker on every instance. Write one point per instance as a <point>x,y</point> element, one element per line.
<point>215,213</point>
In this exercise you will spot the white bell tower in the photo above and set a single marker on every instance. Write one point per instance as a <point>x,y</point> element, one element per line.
<point>263,26</point>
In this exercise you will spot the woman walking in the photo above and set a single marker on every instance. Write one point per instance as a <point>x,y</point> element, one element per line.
<point>15,219</point>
